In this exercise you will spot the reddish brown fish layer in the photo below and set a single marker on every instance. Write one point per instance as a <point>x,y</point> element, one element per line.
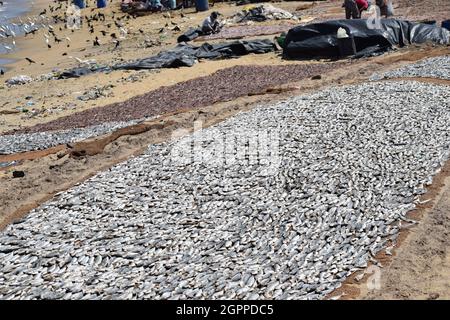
<point>247,31</point>
<point>223,85</point>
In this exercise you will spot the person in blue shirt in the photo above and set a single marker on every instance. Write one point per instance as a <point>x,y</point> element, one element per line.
<point>154,5</point>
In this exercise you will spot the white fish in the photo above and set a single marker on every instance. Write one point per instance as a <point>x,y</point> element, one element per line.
<point>91,61</point>
<point>123,32</point>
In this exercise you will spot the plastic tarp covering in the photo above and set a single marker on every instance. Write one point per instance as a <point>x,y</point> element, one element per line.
<point>319,40</point>
<point>190,35</point>
<point>186,55</point>
<point>80,71</point>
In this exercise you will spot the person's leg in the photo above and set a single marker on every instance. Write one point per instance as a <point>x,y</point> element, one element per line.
<point>383,11</point>
<point>348,9</point>
<point>206,30</point>
<point>359,12</point>
<point>348,13</point>
<point>389,9</point>
<point>353,9</point>
<point>216,27</point>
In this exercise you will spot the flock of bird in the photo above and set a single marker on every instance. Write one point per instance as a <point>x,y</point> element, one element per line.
<point>52,25</point>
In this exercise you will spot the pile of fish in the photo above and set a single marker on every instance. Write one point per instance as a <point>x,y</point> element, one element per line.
<point>260,13</point>
<point>23,142</point>
<point>438,68</point>
<point>281,202</point>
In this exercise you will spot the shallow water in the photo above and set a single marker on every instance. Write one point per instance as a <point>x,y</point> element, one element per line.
<point>5,61</point>
<point>12,9</point>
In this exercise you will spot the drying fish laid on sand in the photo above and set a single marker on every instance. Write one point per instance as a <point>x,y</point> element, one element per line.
<point>238,32</point>
<point>260,12</point>
<point>143,158</point>
<point>193,93</point>
<point>351,162</point>
<point>426,68</point>
<point>41,140</point>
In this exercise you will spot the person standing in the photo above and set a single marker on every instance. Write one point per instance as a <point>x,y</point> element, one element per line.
<point>386,7</point>
<point>354,8</point>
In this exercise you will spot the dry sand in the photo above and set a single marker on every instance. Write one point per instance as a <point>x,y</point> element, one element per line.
<point>56,98</point>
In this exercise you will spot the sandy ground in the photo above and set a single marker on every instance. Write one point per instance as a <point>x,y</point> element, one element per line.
<point>48,100</point>
<point>56,98</point>
<point>418,269</point>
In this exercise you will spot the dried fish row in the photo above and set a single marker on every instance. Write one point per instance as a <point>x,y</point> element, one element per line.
<point>344,167</point>
<point>190,94</point>
<point>237,32</point>
<point>438,68</point>
<point>23,142</point>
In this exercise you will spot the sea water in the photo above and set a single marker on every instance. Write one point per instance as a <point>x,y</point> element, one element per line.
<point>10,10</point>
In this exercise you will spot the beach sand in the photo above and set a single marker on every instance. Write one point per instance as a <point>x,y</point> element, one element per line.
<point>48,100</point>
<point>56,98</point>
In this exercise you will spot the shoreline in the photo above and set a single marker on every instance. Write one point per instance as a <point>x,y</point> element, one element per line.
<point>34,46</point>
<point>6,60</point>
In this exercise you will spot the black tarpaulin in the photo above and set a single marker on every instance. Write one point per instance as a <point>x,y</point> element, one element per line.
<point>234,49</point>
<point>319,40</point>
<point>186,55</point>
<point>190,35</point>
<point>182,55</point>
<point>80,71</point>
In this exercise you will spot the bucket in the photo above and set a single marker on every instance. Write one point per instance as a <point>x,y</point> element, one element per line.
<point>446,24</point>
<point>281,39</point>
<point>201,5</point>
<point>172,4</point>
<point>79,3</point>
<point>346,46</point>
<point>101,3</point>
